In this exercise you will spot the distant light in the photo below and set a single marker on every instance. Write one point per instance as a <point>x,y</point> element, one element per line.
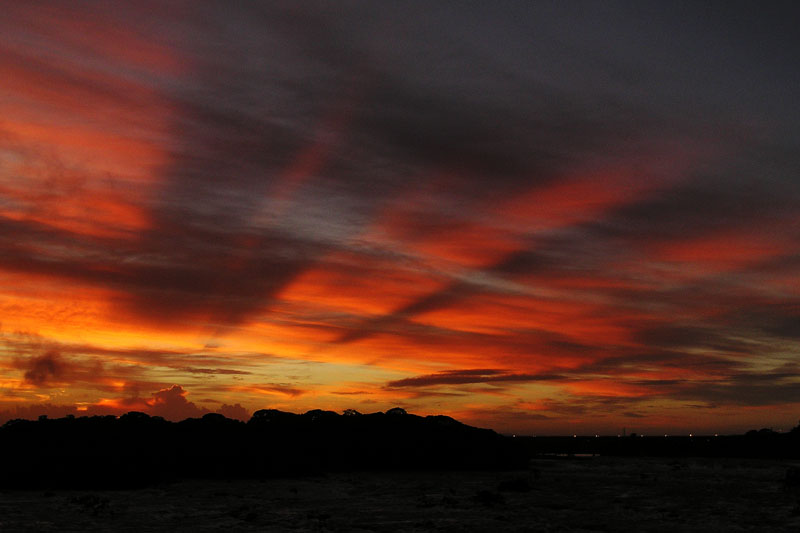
<point>513,436</point>
<point>716,434</point>
<point>596,436</point>
<point>666,435</point>
<point>690,434</point>
<point>574,436</point>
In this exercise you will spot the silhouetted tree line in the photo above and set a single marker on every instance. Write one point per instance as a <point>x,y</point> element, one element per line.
<point>136,449</point>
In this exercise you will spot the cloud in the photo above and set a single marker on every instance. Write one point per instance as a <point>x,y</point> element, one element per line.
<point>677,336</point>
<point>91,361</point>
<point>279,389</point>
<point>52,369</point>
<point>45,368</point>
<point>172,404</point>
<point>749,388</point>
<point>428,302</point>
<point>461,377</point>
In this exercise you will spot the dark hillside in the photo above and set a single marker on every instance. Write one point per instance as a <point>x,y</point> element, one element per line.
<point>136,449</point>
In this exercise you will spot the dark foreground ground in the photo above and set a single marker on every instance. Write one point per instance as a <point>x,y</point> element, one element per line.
<point>594,494</point>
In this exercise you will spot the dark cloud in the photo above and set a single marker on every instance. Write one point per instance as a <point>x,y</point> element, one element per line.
<point>667,361</point>
<point>773,319</point>
<point>281,389</point>
<point>461,377</point>
<point>429,302</point>
<point>41,370</point>
<point>674,336</point>
<point>630,414</point>
<point>739,386</point>
<point>703,205</point>
<point>199,274</point>
<point>92,362</point>
<point>739,393</point>
<point>52,369</point>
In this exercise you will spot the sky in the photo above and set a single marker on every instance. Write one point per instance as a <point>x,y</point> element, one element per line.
<point>538,217</point>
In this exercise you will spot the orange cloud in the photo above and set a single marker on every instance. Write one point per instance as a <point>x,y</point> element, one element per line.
<point>723,251</point>
<point>351,283</point>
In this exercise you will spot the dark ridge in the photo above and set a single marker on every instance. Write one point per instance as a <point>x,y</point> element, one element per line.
<point>138,450</point>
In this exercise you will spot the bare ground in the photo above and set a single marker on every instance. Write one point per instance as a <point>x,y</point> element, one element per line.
<point>597,494</point>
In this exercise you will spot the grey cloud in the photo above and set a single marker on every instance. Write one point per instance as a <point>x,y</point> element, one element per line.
<point>461,377</point>
<point>51,368</point>
<point>45,368</point>
<point>676,336</point>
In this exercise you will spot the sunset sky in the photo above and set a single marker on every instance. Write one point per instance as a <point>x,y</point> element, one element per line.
<point>538,217</point>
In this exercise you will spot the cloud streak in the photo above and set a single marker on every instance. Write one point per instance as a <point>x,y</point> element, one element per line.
<point>461,377</point>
